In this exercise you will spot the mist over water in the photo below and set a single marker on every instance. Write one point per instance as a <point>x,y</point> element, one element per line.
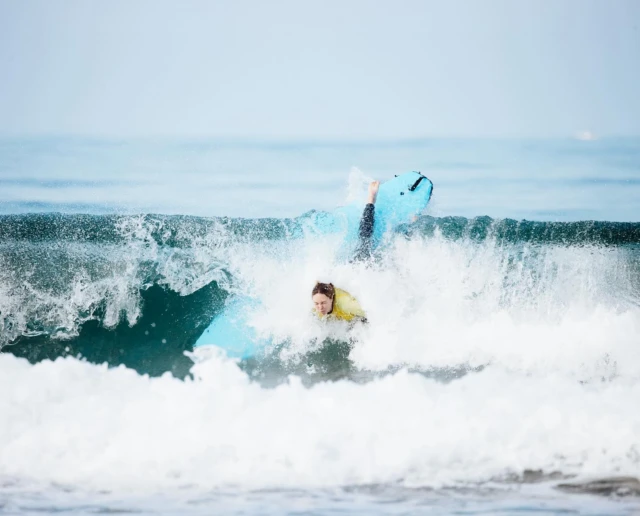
<point>495,347</point>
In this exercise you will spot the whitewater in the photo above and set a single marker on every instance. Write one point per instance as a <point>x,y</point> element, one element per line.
<point>499,370</point>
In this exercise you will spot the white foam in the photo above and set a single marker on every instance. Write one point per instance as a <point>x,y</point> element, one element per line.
<point>86,425</point>
<point>439,303</point>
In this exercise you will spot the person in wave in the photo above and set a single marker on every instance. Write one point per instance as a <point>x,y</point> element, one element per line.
<point>330,302</point>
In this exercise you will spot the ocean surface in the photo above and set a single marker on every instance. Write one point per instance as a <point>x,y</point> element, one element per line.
<point>499,372</point>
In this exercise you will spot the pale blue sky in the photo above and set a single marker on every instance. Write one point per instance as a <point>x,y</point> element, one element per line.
<point>326,70</point>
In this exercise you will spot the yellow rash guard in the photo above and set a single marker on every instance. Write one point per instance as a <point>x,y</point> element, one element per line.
<point>345,307</point>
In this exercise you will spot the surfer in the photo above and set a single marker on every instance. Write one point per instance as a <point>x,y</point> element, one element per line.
<point>329,301</point>
<point>335,303</point>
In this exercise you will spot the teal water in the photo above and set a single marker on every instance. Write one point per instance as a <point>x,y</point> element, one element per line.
<point>501,357</point>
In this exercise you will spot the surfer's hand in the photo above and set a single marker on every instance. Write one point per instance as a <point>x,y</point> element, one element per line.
<point>373,191</point>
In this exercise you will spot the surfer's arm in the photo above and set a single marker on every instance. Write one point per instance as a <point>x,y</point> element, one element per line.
<point>366,222</point>
<point>365,231</point>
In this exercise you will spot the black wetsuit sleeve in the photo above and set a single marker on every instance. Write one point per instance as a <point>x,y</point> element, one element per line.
<point>365,233</point>
<point>366,223</point>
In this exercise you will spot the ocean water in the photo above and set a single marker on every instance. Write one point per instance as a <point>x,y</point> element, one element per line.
<point>499,372</point>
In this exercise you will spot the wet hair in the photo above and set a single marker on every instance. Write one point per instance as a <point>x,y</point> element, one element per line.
<point>324,288</point>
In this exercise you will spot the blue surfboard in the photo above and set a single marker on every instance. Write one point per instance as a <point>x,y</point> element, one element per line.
<point>399,201</point>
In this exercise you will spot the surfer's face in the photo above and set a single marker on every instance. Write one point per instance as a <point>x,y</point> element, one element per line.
<point>322,303</point>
